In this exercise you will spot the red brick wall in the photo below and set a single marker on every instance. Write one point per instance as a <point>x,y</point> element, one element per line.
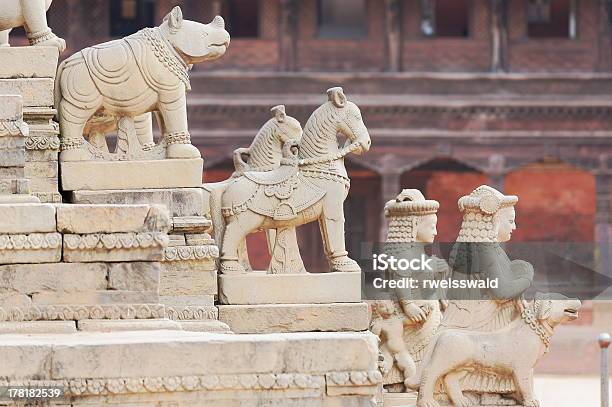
<point>320,54</point>
<point>472,53</point>
<point>556,203</point>
<point>554,54</point>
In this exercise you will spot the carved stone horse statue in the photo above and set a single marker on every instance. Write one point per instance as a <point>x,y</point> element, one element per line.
<point>311,187</point>
<point>264,154</point>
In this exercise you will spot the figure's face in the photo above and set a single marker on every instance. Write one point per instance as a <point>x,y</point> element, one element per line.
<point>426,229</point>
<point>386,308</point>
<point>505,223</point>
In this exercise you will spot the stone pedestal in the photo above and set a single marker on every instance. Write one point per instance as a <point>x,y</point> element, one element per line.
<point>295,317</point>
<point>304,288</point>
<point>113,175</point>
<point>31,74</point>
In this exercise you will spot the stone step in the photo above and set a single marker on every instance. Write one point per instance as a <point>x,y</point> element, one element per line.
<point>258,83</point>
<point>197,369</point>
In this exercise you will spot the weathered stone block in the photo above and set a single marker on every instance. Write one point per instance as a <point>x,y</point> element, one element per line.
<point>33,278</point>
<point>180,201</point>
<point>187,300</point>
<point>48,169</point>
<point>27,218</point>
<point>107,325</point>
<point>199,239</point>
<point>95,297</point>
<point>33,156</point>
<point>36,92</point>
<point>134,276</point>
<point>12,107</point>
<point>205,326</point>
<point>28,62</point>
<point>177,240</point>
<point>114,247</point>
<point>112,218</point>
<point>101,175</point>
<point>186,282</point>
<point>11,153</point>
<point>295,317</point>
<point>44,184</point>
<point>305,288</point>
<point>38,327</point>
<point>191,224</point>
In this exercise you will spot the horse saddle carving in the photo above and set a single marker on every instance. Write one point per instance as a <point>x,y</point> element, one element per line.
<point>282,193</point>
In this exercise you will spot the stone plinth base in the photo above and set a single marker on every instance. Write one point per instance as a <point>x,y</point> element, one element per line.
<point>399,399</point>
<point>179,201</point>
<point>106,325</point>
<point>117,175</point>
<point>295,317</point>
<point>37,327</point>
<point>205,326</point>
<point>305,288</point>
<point>193,369</point>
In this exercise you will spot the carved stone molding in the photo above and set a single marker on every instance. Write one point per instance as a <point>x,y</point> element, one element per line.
<point>237,382</point>
<point>32,241</point>
<point>191,313</point>
<point>182,253</point>
<point>80,312</point>
<point>42,143</point>
<point>115,241</point>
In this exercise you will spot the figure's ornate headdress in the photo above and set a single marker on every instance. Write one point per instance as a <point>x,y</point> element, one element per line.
<point>479,209</point>
<point>403,213</point>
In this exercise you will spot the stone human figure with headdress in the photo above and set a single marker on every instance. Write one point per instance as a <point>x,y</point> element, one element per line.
<point>488,220</point>
<point>412,225</point>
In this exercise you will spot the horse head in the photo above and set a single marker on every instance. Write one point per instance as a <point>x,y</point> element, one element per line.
<point>349,121</point>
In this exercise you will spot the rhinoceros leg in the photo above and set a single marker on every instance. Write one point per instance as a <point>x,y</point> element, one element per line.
<point>4,38</point>
<point>175,128</point>
<point>144,130</point>
<point>39,33</point>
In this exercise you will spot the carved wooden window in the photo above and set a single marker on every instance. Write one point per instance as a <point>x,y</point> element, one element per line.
<point>445,18</point>
<point>342,18</point>
<point>129,16</point>
<point>242,18</point>
<point>551,18</point>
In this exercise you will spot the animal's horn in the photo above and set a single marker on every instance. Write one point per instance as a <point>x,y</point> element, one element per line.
<point>219,22</point>
<point>279,113</point>
<point>336,96</point>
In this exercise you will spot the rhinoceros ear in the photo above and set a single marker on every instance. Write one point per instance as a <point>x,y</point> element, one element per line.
<point>278,113</point>
<point>175,19</point>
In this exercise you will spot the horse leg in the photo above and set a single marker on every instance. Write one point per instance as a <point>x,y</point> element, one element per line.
<point>236,231</point>
<point>331,223</point>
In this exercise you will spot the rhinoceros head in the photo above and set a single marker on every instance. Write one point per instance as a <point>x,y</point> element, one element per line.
<point>195,42</point>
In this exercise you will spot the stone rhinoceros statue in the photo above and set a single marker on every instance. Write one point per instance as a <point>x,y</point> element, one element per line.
<point>32,15</point>
<point>134,76</point>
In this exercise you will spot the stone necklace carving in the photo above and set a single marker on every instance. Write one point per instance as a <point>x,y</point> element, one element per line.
<point>167,55</point>
<point>529,318</point>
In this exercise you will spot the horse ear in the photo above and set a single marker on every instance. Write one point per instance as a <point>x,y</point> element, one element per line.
<point>278,112</point>
<point>175,18</point>
<point>336,96</point>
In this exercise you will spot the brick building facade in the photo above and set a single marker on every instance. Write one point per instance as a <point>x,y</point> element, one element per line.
<point>456,93</point>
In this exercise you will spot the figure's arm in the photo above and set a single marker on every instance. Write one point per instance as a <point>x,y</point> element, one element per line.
<point>512,281</point>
